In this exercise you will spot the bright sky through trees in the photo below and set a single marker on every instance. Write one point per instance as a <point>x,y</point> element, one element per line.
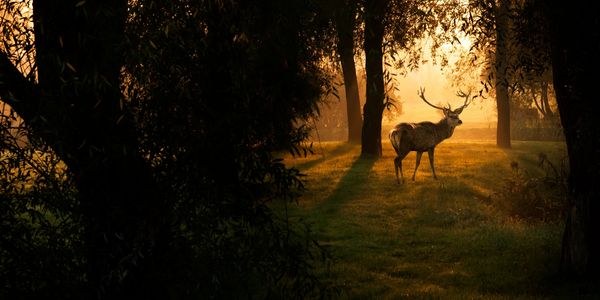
<point>439,90</point>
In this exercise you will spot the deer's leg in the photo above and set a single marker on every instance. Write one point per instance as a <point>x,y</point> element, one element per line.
<point>430,154</point>
<point>398,165</point>
<point>419,153</point>
<point>397,162</point>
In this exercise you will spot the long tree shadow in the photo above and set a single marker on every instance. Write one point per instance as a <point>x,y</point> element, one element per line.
<point>335,152</point>
<point>347,189</point>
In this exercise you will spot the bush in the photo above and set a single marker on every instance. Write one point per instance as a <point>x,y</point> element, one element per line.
<point>534,198</point>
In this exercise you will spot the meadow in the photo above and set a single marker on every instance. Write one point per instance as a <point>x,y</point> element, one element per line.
<point>490,227</point>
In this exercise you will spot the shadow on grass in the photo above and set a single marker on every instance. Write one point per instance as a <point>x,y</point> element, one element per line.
<point>326,155</point>
<point>347,189</point>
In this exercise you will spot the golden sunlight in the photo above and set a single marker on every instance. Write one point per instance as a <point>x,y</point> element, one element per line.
<point>440,88</point>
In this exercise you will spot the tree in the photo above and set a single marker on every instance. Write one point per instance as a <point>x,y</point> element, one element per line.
<point>501,12</point>
<point>489,24</point>
<point>217,89</point>
<point>74,108</point>
<point>345,23</point>
<point>374,105</point>
<point>575,63</point>
<point>343,16</point>
<point>532,77</point>
<point>392,31</point>
<point>166,116</point>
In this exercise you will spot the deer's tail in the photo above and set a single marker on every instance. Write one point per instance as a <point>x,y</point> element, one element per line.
<point>395,138</point>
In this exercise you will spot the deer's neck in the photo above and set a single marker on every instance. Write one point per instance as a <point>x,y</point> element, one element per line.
<point>444,130</point>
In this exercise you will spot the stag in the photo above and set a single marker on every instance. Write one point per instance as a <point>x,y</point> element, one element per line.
<point>424,136</point>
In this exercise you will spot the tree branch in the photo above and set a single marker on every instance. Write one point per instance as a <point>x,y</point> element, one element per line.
<point>18,92</point>
<point>535,100</point>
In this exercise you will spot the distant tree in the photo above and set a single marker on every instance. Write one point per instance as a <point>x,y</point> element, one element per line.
<point>345,24</point>
<point>543,102</point>
<point>489,25</point>
<point>533,76</point>
<point>343,15</point>
<point>575,43</point>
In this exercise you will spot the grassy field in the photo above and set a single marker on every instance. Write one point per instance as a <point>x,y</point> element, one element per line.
<point>448,238</point>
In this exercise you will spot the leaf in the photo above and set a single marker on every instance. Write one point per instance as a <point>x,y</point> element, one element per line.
<point>70,66</point>
<point>80,3</point>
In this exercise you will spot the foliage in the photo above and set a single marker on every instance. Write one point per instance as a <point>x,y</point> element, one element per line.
<point>535,198</point>
<point>40,245</point>
<point>40,242</point>
<point>528,46</point>
<point>409,22</point>
<point>17,35</point>
<point>214,89</point>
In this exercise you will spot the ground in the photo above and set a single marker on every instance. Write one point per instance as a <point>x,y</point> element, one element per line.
<point>463,236</point>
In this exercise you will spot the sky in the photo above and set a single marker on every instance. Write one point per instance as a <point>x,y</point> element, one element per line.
<point>438,90</point>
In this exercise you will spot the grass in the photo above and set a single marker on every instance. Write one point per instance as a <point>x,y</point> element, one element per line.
<point>430,238</point>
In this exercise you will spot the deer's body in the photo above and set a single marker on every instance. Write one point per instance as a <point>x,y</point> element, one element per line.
<point>423,137</point>
<point>420,136</point>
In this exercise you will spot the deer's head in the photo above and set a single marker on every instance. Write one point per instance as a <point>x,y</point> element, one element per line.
<point>451,116</point>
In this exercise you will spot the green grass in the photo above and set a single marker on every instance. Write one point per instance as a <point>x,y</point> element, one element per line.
<point>430,238</point>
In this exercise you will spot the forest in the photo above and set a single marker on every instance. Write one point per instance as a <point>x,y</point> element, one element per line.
<point>218,149</point>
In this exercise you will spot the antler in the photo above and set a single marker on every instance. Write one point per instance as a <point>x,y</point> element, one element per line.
<point>467,102</point>
<point>421,94</point>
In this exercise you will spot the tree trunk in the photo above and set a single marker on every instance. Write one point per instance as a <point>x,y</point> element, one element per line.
<point>77,54</point>
<point>548,113</point>
<point>345,31</point>
<point>575,65</point>
<point>373,109</point>
<point>501,66</point>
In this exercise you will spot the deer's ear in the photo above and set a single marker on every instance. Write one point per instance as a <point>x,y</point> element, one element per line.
<point>458,110</point>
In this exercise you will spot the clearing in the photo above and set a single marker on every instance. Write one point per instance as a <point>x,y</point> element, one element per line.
<point>459,237</point>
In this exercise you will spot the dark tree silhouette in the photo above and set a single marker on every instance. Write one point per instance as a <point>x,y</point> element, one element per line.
<point>167,115</point>
<point>575,64</point>
<point>501,13</point>
<point>374,105</point>
<point>75,109</point>
<point>345,22</point>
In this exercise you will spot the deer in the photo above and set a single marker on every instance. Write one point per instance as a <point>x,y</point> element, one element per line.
<point>425,136</point>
